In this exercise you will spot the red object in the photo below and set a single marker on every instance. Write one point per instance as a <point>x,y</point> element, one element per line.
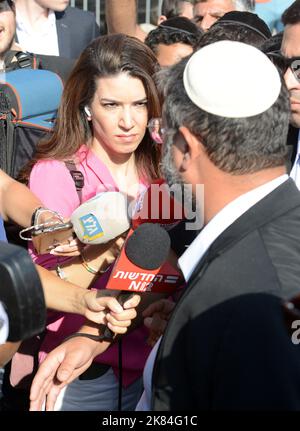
<point>156,205</point>
<point>129,277</point>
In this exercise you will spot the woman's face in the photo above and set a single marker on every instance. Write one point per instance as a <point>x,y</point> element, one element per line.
<point>119,113</point>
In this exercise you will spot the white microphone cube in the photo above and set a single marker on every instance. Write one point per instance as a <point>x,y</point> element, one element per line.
<point>101,218</point>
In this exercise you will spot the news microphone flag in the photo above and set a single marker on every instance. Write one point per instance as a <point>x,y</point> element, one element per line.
<point>142,265</point>
<point>101,218</point>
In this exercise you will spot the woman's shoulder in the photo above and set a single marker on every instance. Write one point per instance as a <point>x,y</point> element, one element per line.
<point>48,164</point>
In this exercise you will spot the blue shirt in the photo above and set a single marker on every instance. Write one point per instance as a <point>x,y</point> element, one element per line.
<point>2,231</point>
<point>271,13</point>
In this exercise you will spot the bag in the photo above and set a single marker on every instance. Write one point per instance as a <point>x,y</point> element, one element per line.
<point>29,100</point>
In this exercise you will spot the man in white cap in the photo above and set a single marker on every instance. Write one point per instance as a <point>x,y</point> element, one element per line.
<point>226,346</point>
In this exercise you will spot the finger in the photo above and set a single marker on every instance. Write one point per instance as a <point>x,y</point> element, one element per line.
<point>40,382</point>
<point>132,302</point>
<point>52,397</point>
<point>116,329</point>
<point>115,322</point>
<point>65,371</point>
<point>125,315</point>
<point>111,303</point>
<point>65,253</point>
<point>92,302</point>
<point>37,404</point>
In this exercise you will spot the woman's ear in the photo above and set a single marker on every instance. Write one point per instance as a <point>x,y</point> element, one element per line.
<point>88,112</point>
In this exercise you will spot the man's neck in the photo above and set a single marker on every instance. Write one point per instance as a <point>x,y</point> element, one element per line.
<point>230,187</point>
<point>32,14</point>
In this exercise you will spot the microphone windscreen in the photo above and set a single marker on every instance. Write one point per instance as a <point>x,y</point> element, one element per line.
<point>102,218</point>
<point>148,247</point>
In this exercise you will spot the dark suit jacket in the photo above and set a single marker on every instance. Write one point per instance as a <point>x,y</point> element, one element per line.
<point>226,345</point>
<point>292,142</point>
<point>75,30</point>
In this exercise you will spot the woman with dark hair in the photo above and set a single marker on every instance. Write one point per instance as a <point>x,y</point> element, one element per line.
<point>102,129</point>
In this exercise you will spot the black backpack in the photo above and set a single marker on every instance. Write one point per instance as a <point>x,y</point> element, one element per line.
<point>29,99</point>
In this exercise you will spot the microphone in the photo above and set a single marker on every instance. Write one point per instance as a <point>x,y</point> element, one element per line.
<point>157,205</point>
<point>102,218</point>
<point>96,221</point>
<point>143,266</point>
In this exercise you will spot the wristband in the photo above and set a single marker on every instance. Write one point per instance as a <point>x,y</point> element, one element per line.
<point>90,336</point>
<point>60,272</point>
<point>88,267</point>
<point>34,215</point>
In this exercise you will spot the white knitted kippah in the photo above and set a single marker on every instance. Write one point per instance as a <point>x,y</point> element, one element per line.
<point>231,79</point>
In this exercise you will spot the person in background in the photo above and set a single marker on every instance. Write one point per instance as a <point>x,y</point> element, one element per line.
<point>287,61</point>
<point>175,8</point>
<point>173,40</point>
<point>51,27</point>
<point>244,27</point>
<point>206,12</point>
<point>270,11</point>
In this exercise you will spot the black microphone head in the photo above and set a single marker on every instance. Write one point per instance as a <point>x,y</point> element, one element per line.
<point>148,247</point>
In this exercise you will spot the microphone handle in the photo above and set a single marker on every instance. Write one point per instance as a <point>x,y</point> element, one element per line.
<point>108,334</point>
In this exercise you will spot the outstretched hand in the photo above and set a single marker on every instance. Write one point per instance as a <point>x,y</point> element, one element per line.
<point>74,356</point>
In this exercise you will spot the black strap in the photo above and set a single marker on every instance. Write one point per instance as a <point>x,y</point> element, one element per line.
<point>77,177</point>
<point>24,60</point>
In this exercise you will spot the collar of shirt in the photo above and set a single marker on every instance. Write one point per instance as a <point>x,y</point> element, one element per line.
<point>221,221</point>
<point>298,145</point>
<point>22,26</point>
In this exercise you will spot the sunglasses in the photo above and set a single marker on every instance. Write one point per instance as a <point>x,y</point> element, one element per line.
<point>283,63</point>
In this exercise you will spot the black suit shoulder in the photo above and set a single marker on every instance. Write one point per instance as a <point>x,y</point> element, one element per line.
<point>72,41</point>
<point>237,355</point>
<point>255,259</point>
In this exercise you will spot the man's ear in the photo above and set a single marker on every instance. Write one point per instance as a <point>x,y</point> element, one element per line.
<point>191,149</point>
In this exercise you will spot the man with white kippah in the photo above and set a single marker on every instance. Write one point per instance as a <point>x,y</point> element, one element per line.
<point>226,345</point>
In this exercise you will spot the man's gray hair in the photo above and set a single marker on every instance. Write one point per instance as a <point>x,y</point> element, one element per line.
<point>240,5</point>
<point>235,145</point>
<point>244,5</point>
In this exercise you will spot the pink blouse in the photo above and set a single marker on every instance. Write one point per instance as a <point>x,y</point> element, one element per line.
<point>51,181</point>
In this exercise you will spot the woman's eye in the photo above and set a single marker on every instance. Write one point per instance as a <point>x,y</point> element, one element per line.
<point>110,105</point>
<point>141,104</point>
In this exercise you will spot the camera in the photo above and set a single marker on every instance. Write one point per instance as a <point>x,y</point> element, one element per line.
<point>21,294</point>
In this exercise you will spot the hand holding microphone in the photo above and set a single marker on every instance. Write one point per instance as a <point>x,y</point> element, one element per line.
<point>143,265</point>
<point>96,221</point>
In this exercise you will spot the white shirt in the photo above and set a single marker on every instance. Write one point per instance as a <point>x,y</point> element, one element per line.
<point>295,172</point>
<point>43,42</point>
<point>190,258</point>
<point>4,326</point>
<point>221,221</point>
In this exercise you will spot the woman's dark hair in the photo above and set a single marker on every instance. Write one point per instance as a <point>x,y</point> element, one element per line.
<point>174,30</point>
<point>105,56</point>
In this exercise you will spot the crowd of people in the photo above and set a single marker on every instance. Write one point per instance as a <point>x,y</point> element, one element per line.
<point>210,98</point>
